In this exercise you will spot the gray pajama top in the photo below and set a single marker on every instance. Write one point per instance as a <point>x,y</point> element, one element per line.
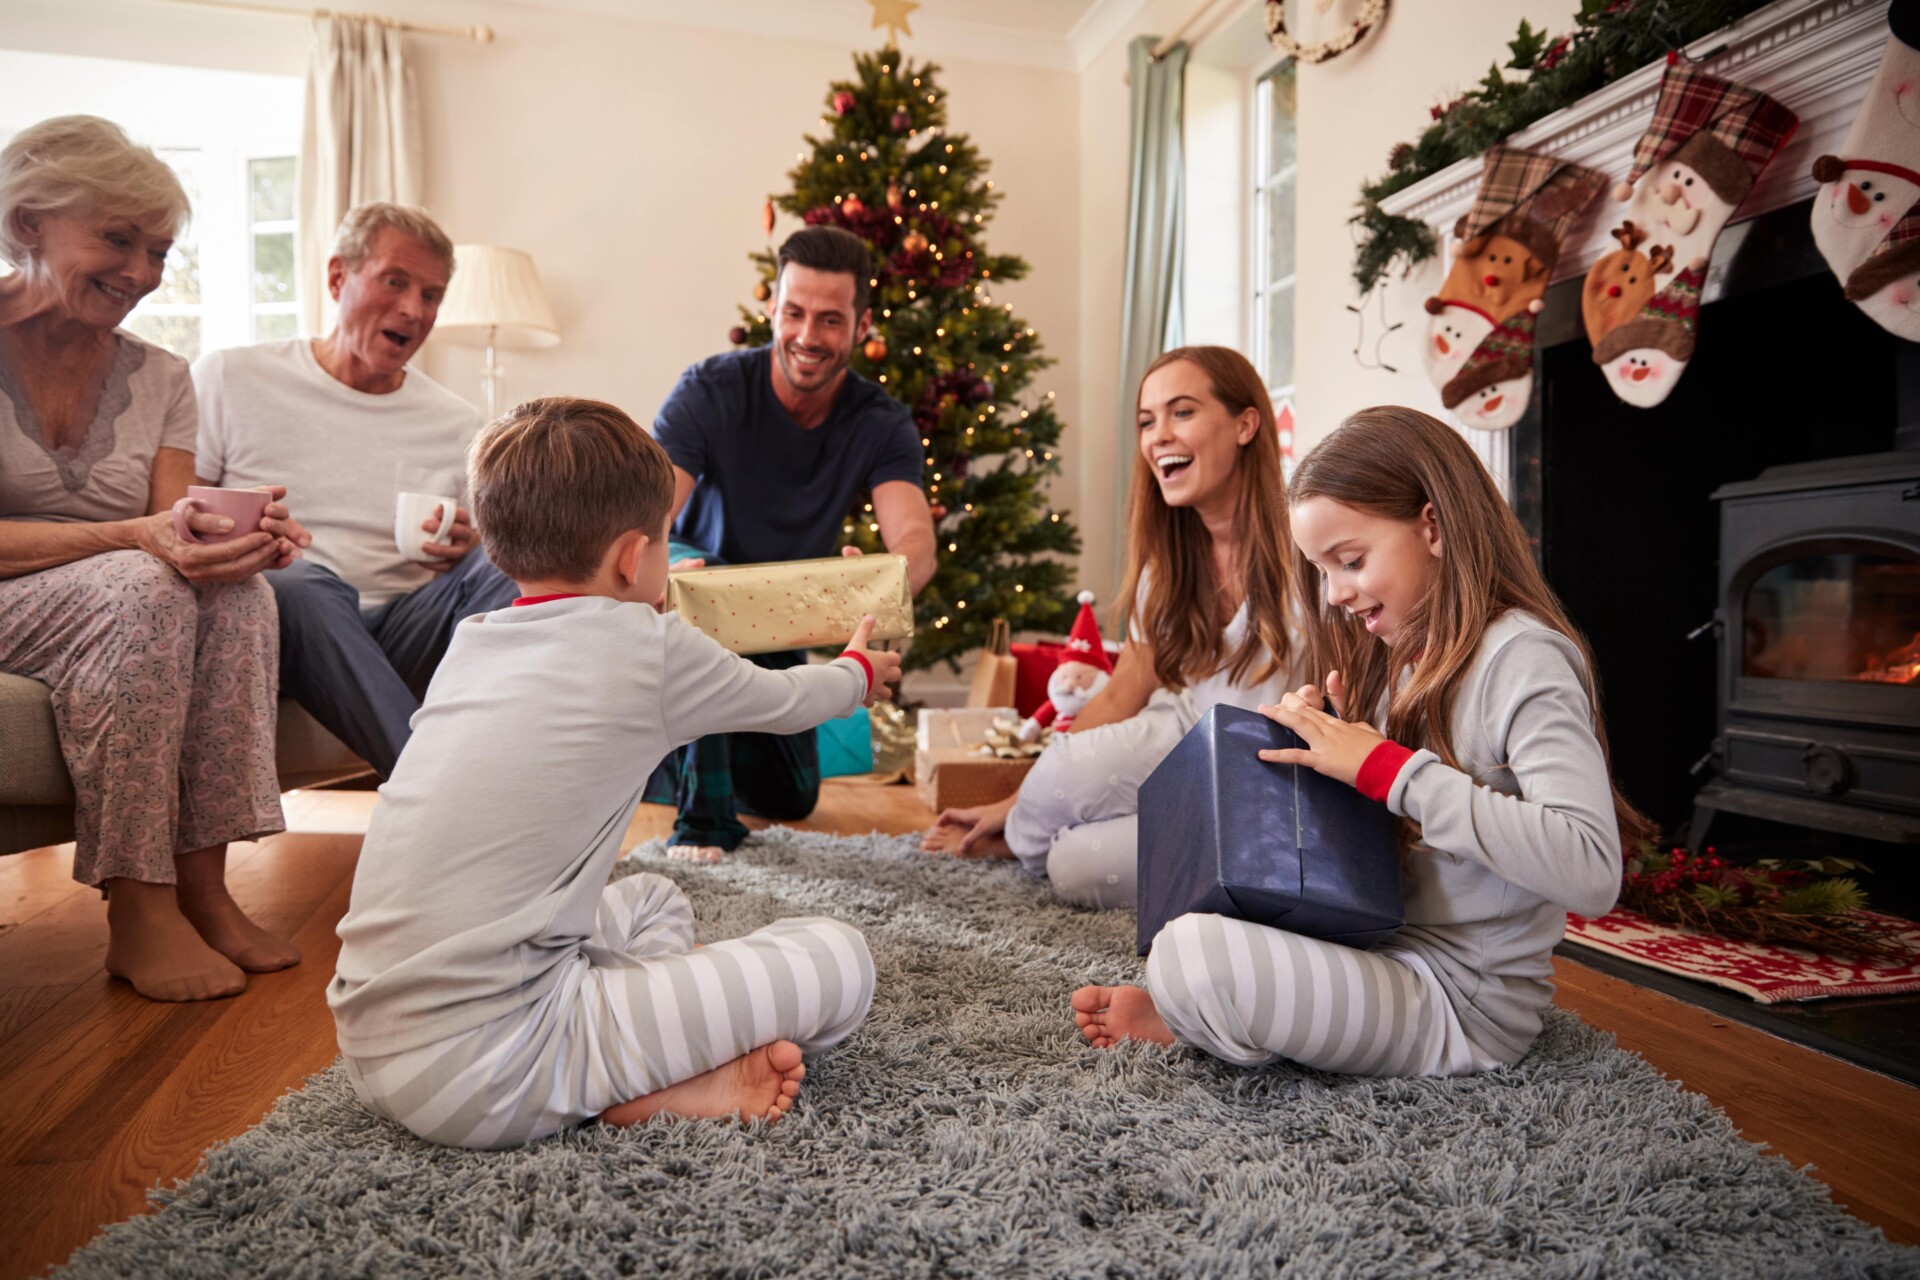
<point>483,866</point>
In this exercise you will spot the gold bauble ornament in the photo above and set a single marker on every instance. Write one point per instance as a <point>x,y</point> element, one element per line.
<point>896,201</point>
<point>762,291</point>
<point>913,242</point>
<point>875,349</point>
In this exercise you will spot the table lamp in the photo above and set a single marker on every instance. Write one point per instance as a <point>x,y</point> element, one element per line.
<point>495,298</point>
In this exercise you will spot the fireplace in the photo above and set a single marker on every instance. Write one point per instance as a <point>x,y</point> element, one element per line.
<point>1818,630</point>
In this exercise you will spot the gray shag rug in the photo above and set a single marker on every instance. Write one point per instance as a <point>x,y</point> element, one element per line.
<point>966,1130</point>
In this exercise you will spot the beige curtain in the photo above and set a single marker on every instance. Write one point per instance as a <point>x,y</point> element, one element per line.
<point>360,141</point>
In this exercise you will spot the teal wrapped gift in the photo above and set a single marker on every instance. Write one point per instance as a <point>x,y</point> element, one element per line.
<point>1225,833</point>
<point>846,745</point>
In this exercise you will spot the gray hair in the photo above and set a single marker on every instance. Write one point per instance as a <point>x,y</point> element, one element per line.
<point>84,165</point>
<point>353,242</point>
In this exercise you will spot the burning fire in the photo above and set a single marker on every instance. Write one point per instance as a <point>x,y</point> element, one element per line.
<point>1902,666</point>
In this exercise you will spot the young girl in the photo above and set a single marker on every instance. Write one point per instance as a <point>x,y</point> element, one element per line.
<point>1209,571</point>
<point>1493,756</point>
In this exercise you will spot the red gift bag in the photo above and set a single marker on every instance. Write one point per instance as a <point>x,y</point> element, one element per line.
<point>1034,664</point>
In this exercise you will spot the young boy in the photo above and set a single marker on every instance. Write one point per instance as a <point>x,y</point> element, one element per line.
<point>492,987</point>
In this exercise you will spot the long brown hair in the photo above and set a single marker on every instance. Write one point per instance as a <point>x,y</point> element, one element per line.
<point>1180,617</point>
<point>1391,461</point>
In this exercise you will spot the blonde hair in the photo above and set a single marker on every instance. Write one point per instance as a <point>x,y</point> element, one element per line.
<point>353,240</point>
<point>556,480</point>
<point>1170,546</point>
<point>84,165</point>
<point>1391,461</point>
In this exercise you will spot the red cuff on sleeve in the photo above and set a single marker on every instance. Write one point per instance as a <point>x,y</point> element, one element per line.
<point>865,666</point>
<point>1379,769</point>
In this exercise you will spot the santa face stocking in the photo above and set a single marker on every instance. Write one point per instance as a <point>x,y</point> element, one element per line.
<point>1504,253</point>
<point>1862,216</point>
<point>1700,156</point>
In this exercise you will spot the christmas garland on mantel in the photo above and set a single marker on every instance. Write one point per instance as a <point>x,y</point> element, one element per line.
<point>1611,39</point>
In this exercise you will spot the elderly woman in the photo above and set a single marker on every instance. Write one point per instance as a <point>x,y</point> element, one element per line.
<point>160,652</point>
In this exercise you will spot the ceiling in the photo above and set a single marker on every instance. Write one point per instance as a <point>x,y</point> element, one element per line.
<point>1056,34</point>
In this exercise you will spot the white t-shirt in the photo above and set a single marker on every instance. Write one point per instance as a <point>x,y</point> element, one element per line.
<point>1219,687</point>
<point>270,414</point>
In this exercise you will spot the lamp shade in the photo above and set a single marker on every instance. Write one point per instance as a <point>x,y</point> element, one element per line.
<point>495,297</point>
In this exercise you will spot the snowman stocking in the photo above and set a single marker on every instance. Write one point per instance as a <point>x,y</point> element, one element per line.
<point>1504,252</point>
<point>1705,148</point>
<point>1864,213</point>
<point>1495,385</point>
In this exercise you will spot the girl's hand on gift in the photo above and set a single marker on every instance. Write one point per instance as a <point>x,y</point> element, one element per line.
<point>1335,748</point>
<point>1335,693</point>
<point>884,666</point>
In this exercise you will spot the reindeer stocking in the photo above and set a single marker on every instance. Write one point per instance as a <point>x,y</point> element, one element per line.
<point>1504,253</point>
<point>1698,159</point>
<point>1622,282</point>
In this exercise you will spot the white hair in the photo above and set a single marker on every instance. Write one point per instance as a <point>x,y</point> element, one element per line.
<point>84,165</point>
<point>353,242</point>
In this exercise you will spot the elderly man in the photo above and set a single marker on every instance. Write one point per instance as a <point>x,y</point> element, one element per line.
<point>769,447</point>
<point>362,626</point>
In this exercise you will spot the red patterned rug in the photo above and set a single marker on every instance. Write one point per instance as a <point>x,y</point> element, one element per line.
<point>1769,973</point>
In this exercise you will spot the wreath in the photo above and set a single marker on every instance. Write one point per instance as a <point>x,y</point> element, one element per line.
<point>1369,18</point>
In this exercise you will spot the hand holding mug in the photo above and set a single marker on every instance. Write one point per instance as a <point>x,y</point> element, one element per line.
<point>213,535</point>
<point>448,527</point>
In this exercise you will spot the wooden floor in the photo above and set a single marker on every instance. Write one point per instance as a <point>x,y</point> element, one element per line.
<point>103,1094</point>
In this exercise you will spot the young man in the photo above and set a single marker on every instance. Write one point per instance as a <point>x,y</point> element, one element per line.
<point>361,626</point>
<point>770,446</point>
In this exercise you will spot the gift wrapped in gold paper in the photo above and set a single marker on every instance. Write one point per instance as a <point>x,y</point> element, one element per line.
<point>795,604</point>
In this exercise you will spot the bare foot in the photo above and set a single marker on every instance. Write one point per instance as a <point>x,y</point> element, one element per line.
<point>970,833</point>
<point>1108,1015</point>
<point>695,852</point>
<point>761,1084</point>
<point>152,946</point>
<point>228,930</point>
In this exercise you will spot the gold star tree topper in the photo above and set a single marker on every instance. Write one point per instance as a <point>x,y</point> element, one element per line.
<point>892,14</point>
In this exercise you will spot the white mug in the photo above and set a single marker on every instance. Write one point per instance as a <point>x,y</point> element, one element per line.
<point>410,512</point>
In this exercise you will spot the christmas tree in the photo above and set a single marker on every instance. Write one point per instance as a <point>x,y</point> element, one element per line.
<point>888,170</point>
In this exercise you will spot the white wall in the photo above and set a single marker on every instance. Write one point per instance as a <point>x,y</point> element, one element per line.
<point>631,160</point>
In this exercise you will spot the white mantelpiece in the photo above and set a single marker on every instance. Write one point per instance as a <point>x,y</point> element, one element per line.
<point>1816,56</point>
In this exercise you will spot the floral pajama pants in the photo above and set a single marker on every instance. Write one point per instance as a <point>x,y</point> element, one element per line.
<point>164,694</point>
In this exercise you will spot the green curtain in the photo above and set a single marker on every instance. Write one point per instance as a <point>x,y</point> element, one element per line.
<point>1150,319</point>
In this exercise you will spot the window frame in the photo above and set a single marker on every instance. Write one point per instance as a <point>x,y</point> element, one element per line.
<point>1265,284</point>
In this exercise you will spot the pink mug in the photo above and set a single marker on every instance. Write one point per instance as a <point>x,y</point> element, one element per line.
<point>242,506</point>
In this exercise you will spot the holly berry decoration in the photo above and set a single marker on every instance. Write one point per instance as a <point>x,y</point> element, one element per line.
<point>875,349</point>
<point>895,200</point>
<point>853,206</point>
<point>843,101</point>
<point>762,291</point>
<point>913,242</point>
<point>738,335</point>
<point>902,121</point>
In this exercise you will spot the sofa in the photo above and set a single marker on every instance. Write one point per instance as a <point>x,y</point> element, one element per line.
<point>36,795</point>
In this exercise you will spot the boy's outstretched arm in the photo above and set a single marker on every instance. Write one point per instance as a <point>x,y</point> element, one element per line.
<point>707,689</point>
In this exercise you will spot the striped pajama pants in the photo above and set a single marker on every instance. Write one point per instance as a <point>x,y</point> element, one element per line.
<point>1249,994</point>
<point>639,1011</point>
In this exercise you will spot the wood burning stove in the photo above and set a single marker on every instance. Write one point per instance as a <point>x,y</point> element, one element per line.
<point>1819,649</point>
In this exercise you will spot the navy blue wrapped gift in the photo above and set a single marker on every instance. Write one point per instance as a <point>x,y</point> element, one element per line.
<point>1225,833</point>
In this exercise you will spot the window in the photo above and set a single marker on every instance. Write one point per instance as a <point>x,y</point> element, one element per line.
<point>1275,177</point>
<point>231,137</point>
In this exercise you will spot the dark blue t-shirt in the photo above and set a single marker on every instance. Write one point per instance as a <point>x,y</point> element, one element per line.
<point>767,488</point>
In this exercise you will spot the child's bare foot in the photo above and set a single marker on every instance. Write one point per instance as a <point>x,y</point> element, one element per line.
<point>1108,1015</point>
<point>154,947</point>
<point>228,930</point>
<point>695,852</point>
<point>757,1085</point>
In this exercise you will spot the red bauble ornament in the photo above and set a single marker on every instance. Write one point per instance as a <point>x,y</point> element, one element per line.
<point>895,201</point>
<point>939,512</point>
<point>738,335</point>
<point>843,101</point>
<point>853,206</point>
<point>902,121</point>
<point>875,349</point>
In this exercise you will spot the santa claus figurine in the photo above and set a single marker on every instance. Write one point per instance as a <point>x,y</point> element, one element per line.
<point>1083,672</point>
